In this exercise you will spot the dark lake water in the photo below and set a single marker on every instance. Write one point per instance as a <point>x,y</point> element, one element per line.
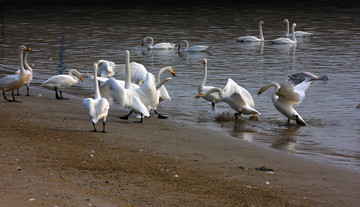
<point>65,37</point>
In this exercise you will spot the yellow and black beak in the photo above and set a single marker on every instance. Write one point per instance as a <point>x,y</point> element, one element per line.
<point>205,61</point>
<point>198,96</point>
<point>173,72</point>
<point>260,92</point>
<point>27,49</point>
<point>81,78</point>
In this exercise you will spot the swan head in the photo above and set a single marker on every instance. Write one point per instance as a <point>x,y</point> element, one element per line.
<point>285,21</point>
<point>201,94</point>
<point>324,77</point>
<point>261,90</point>
<point>173,72</point>
<point>24,48</point>
<point>294,25</point>
<point>204,61</point>
<point>261,22</point>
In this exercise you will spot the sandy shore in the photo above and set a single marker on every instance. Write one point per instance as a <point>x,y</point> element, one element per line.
<point>49,157</point>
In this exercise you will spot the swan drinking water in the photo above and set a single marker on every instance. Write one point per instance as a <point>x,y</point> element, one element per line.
<point>297,33</point>
<point>13,82</point>
<point>285,40</point>
<point>29,73</point>
<point>158,46</point>
<point>253,38</point>
<point>184,46</point>
<point>60,82</point>
<point>237,97</point>
<point>285,96</point>
<point>211,97</point>
<point>97,107</point>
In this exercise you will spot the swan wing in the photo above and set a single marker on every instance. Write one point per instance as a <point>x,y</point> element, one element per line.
<point>147,91</point>
<point>213,97</point>
<point>102,107</point>
<point>113,90</point>
<point>138,106</point>
<point>197,48</point>
<point>60,81</point>
<point>164,95</point>
<point>290,94</point>
<point>301,88</point>
<point>233,88</point>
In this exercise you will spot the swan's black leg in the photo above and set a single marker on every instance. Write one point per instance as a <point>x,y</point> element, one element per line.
<point>5,97</point>
<point>94,128</point>
<point>12,93</point>
<point>126,117</point>
<point>103,131</point>
<point>288,121</point>
<point>237,115</point>
<point>18,92</point>
<point>61,97</point>
<point>27,91</point>
<point>141,120</point>
<point>212,105</point>
<point>160,116</point>
<point>56,94</point>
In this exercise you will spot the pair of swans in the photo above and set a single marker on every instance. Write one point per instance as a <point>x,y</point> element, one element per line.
<point>297,33</point>
<point>237,97</point>
<point>98,108</point>
<point>106,68</point>
<point>28,72</point>
<point>13,82</point>
<point>61,82</point>
<point>285,40</point>
<point>184,47</point>
<point>253,38</point>
<point>159,46</point>
<point>285,96</point>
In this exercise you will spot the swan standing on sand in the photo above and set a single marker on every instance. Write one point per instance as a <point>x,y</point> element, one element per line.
<point>184,46</point>
<point>237,97</point>
<point>212,97</point>
<point>306,75</point>
<point>29,74</point>
<point>106,68</point>
<point>97,107</point>
<point>285,96</point>
<point>125,95</point>
<point>253,38</point>
<point>60,82</point>
<point>285,40</point>
<point>13,82</point>
<point>297,33</point>
<point>159,46</point>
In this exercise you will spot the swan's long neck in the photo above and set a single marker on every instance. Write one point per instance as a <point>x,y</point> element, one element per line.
<point>186,44</point>
<point>287,27</point>
<point>27,66</point>
<point>213,90</point>
<point>167,68</point>
<point>261,32</point>
<point>202,83</point>
<point>293,33</point>
<point>151,43</point>
<point>274,97</point>
<point>97,90</point>
<point>21,61</point>
<point>159,84</point>
<point>127,70</point>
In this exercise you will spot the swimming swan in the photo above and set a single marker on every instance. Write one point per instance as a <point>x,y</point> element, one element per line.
<point>159,46</point>
<point>106,68</point>
<point>97,107</point>
<point>126,95</point>
<point>212,97</point>
<point>237,97</point>
<point>13,82</point>
<point>285,40</point>
<point>306,75</point>
<point>184,46</point>
<point>29,74</point>
<point>253,38</point>
<point>285,96</point>
<point>297,33</point>
<point>60,82</point>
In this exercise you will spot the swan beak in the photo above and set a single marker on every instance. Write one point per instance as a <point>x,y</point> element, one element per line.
<point>198,96</point>
<point>142,44</point>
<point>173,73</point>
<point>258,93</point>
<point>205,61</point>
<point>27,49</point>
<point>81,78</point>
<point>358,107</point>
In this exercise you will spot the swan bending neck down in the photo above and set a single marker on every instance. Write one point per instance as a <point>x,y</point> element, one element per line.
<point>237,97</point>
<point>284,40</point>
<point>13,82</point>
<point>211,97</point>
<point>159,46</point>
<point>285,96</point>
<point>60,82</point>
<point>97,107</point>
<point>253,38</point>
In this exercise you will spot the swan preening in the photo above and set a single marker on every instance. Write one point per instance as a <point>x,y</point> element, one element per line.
<point>184,46</point>
<point>211,97</point>
<point>106,68</point>
<point>285,96</point>
<point>253,38</point>
<point>297,33</point>
<point>285,40</point>
<point>13,82</point>
<point>298,77</point>
<point>29,73</point>
<point>237,97</point>
<point>159,46</point>
<point>97,107</point>
<point>60,82</point>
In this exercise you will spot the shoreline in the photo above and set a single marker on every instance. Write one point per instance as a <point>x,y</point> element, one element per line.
<point>157,163</point>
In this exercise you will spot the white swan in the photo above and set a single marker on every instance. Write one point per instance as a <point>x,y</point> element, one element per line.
<point>184,46</point>
<point>285,96</point>
<point>306,75</point>
<point>125,95</point>
<point>106,68</point>
<point>253,38</point>
<point>60,82</point>
<point>29,74</point>
<point>285,40</point>
<point>97,107</point>
<point>297,33</point>
<point>158,46</point>
<point>13,82</point>
<point>237,97</point>
<point>212,97</point>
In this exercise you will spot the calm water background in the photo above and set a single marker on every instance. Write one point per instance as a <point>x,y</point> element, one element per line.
<point>74,37</point>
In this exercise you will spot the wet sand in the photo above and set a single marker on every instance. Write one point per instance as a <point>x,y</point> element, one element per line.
<point>49,157</point>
